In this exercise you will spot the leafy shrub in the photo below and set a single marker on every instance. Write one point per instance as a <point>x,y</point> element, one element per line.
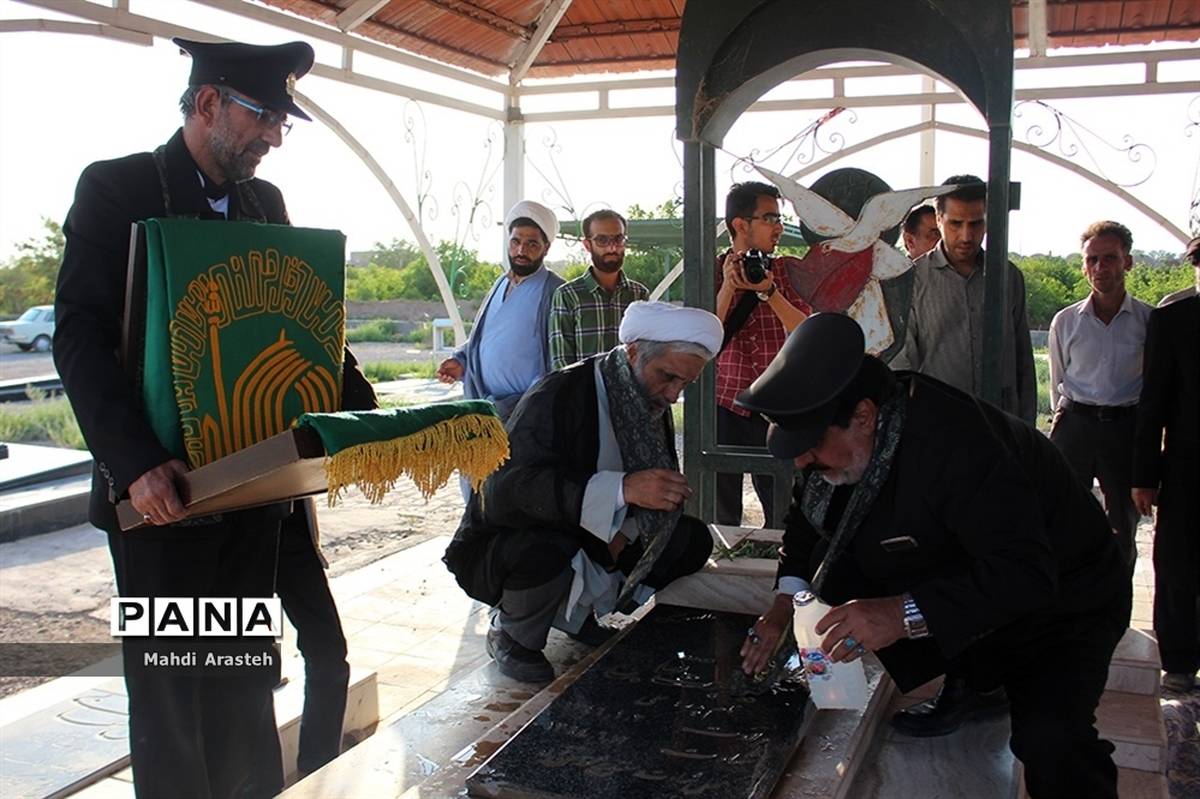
<point>383,371</point>
<point>374,330</point>
<point>42,421</point>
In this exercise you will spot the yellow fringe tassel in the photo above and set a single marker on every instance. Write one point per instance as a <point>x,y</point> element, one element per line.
<point>474,445</point>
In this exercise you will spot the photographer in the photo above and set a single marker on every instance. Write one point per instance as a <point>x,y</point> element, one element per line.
<point>759,307</point>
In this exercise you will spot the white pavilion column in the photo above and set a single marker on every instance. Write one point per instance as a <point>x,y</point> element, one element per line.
<point>928,113</point>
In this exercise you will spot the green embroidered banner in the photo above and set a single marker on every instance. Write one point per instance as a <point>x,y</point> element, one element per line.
<point>245,327</point>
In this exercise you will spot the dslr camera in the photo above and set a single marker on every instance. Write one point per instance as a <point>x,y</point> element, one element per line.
<point>755,265</point>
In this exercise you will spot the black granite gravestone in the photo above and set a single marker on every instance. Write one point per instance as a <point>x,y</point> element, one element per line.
<point>659,715</point>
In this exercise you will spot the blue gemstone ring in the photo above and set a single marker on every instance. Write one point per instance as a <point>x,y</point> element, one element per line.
<point>849,642</point>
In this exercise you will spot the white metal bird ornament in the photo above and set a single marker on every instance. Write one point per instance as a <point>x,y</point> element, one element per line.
<point>843,273</point>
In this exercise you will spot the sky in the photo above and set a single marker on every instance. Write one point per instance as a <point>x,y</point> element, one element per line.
<point>66,101</point>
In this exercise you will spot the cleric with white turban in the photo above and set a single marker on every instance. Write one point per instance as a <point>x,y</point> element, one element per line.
<point>662,321</point>
<point>586,516</point>
<point>508,350</point>
<point>541,216</point>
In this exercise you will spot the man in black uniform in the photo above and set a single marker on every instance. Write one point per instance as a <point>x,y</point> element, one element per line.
<point>939,528</point>
<point>189,735</point>
<point>1166,471</point>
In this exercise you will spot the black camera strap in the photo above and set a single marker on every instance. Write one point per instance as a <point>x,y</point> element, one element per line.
<point>738,316</point>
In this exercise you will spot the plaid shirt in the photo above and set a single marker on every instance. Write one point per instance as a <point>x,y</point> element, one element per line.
<point>758,341</point>
<point>585,318</point>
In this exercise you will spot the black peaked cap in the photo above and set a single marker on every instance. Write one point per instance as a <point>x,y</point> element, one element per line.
<point>796,393</point>
<point>266,73</point>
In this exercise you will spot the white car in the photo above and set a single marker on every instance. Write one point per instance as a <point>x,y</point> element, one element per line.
<point>32,330</point>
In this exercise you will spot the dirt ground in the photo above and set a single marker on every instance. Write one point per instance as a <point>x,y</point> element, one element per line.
<point>56,588</point>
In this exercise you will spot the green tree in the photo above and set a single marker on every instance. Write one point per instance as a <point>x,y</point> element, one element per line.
<point>670,208</point>
<point>1053,282</point>
<point>398,254</point>
<point>1150,283</point>
<point>470,278</point>
<point>29,277</point>
<point>367,283</point>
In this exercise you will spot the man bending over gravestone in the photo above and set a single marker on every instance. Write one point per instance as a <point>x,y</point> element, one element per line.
<point>943,530</point>
<point>585,516</point>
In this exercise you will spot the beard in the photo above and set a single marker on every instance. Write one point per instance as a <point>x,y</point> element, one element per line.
<point>852,472</point>
<point>524,267</point>
<point>608,262</point>
<point>658,405</point>
<point>237,164</point>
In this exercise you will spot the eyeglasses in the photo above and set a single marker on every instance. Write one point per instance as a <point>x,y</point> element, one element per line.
<point>602,240</point>
<point>770,219</point>
<point>265,115</point>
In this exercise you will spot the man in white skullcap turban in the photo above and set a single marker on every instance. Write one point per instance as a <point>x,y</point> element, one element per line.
<point>586,515</point>
<point>507,351</point>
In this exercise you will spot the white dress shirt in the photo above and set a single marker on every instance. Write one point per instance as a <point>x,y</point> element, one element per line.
<point>1097,363</point>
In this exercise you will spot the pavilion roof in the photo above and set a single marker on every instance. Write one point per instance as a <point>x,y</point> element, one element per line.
<point>494,37</point>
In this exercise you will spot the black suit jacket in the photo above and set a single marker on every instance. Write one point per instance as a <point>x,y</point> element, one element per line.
<point>1170,399</point>
<point>1004,536</point>
<point>90,303</point>
<point>554,442</point>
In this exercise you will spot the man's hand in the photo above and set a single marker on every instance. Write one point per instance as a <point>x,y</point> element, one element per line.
<point>871,623</point>
<point>765,634</point>
<point>154,496</point>
<point>656,489</point>
<point>449,370</point>
<point>617,546</point>
<point>1144,499</point>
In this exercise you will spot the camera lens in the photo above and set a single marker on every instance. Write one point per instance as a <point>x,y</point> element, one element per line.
<point>754,265</point>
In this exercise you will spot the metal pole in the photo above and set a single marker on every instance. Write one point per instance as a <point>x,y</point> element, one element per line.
<point>699,282</point>
<point>996,266</point>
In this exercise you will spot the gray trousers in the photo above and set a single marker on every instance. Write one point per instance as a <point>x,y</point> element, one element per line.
<point>1103,450</point>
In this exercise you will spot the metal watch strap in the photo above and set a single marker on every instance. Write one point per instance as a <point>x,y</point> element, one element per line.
<point>768,294</point>
<point>914,619</point>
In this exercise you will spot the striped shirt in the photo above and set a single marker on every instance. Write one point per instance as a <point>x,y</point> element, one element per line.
<point>944,338</point>
<point>585,318</point>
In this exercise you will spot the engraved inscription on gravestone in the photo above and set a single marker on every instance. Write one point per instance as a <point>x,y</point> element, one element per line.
<point>661,714</point>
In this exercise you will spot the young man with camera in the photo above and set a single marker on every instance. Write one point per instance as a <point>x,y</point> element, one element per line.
<point>758,307</point>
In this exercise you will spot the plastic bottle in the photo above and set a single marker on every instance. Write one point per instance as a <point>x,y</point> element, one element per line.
<point>832,685</point>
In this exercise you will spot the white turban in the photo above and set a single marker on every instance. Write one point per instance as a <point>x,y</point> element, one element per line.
<point>543,216</point>
<point>661,321</point>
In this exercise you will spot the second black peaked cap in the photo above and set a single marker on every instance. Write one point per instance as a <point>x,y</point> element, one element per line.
<point>266,73</point>
<point>797,392</point>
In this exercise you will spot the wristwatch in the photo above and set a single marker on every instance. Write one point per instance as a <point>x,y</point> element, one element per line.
<point>766,295</point>
<point>914,619</point>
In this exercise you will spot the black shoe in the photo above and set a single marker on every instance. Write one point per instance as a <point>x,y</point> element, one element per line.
<point>592,633</point>
<point>514,660</point>
<point>955,703</point>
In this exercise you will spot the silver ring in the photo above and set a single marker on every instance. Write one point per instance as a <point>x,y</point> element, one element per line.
<point>145,517</point>
<point>753,636</point>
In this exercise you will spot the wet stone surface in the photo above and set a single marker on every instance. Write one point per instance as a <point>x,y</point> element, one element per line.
<point>659,715</point>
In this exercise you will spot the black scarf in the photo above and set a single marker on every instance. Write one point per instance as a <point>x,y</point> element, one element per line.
<point>641,432</point>
<point>814,502</point>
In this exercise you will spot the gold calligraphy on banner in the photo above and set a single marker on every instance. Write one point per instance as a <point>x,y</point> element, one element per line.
<point>209,337</point>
